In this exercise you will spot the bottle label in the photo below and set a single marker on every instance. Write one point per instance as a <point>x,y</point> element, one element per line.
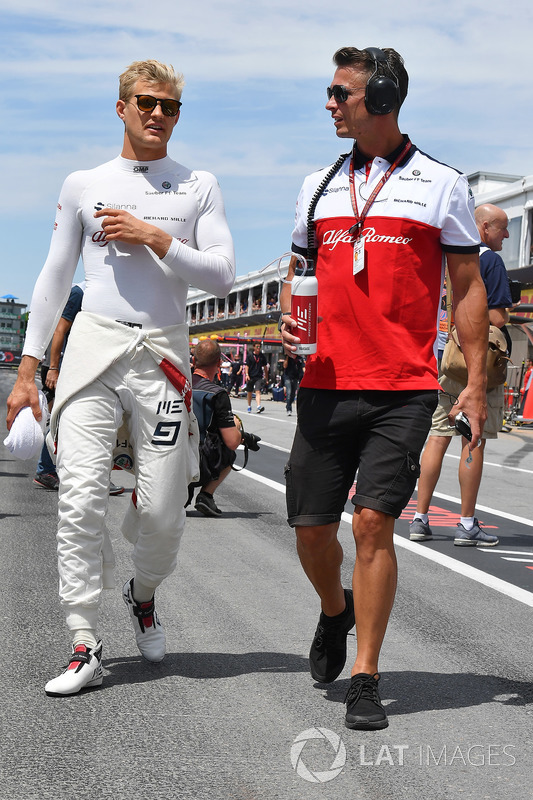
<point>304,311</point>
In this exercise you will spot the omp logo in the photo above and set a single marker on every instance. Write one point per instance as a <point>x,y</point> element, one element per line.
<point>302,316</point>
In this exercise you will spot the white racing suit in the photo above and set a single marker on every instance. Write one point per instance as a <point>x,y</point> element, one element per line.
<point>114,374</point>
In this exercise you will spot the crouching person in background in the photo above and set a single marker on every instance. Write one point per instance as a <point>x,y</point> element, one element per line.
<point>220,430</point>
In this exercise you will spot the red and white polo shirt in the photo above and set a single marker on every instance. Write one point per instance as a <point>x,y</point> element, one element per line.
<point>379,326</point>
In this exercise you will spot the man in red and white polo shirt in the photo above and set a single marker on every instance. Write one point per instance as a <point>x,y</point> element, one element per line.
<point>383,220</point>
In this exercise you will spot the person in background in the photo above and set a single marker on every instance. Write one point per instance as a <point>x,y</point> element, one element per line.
<point>526,384</point>
<point>223,423</point>
<point>235,377</point>
<point>293,370</point>
<point>492,224</point>
<point>46,475</point>
<point>255,370</point>
<point>225,370</point>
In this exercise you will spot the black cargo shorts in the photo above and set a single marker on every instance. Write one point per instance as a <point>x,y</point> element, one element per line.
<point>377,434</point>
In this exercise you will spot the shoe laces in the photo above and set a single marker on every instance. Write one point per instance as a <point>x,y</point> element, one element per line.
<point>320,636</point>
<point>365,687</point>
<point>327,634</point>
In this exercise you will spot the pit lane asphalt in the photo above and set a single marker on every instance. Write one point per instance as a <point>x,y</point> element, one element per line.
<point>218,718</point>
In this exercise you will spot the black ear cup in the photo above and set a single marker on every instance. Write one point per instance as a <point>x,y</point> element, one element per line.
<point>382,94</point>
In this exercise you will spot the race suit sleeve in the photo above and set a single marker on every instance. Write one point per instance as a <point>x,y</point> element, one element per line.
<point>54,283</point>
<point>211,267</point>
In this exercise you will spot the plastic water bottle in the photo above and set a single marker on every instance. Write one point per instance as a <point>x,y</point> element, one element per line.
<point>304,295</point>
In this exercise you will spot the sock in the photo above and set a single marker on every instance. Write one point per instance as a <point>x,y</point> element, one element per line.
<point>86,637</point>
<point>467,523</point>
<point>142,593</point>
<point>423,517</point>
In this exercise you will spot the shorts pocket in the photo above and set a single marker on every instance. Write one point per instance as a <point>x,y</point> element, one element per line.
<point>402,487</point>
<point>413,465</point>
<point>289,492</point>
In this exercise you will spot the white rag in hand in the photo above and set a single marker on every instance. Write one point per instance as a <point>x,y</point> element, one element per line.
<point>26,437</point>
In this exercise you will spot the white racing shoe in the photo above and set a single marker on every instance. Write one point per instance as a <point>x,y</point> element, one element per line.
<point>84,671</point>
<point>149,632</point>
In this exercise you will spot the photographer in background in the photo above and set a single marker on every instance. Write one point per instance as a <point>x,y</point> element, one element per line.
<point>218,426</point>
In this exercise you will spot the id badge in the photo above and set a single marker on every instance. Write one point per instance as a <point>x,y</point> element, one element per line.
<point>359,255</point>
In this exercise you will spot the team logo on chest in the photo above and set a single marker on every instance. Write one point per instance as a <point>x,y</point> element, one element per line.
<point>333,238</point>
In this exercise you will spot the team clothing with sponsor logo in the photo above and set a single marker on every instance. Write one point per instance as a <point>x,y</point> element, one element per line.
<point>376,353</point>
<point>121,379</point>
<point>127,361</point>
<point>378,327</point>
<point>129,282</point>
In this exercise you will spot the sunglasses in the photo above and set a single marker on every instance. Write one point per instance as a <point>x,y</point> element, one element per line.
<point>340,93</point>
<point>145,102</point>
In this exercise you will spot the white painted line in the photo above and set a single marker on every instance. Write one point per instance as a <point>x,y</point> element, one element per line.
<point>249,414</point>
<point>288,421</point>
<point>508,589</point>
<point>525,560</point>
<point>487,509</point>
<point>450,498</point>
<point>255,477</point>
<point>274,446</point>
<point>496,551</point>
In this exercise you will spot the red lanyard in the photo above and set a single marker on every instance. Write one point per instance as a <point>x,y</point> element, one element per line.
<point>360,220</point>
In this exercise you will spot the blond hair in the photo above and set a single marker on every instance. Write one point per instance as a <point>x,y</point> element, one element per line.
<point>150,71</point>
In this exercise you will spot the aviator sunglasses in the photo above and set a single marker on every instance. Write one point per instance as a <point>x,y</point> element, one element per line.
<point>145,102</point>
<point>340,93</point>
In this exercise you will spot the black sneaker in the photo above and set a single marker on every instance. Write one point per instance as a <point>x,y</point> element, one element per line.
<point>47,481</point>
<point>327,656</point>
<point>364,711</point>
<point>206,505</point>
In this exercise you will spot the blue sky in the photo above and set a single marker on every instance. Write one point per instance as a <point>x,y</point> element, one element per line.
<point>253,105</point>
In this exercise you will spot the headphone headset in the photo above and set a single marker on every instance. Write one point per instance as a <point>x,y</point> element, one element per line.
<point>382,94</point>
